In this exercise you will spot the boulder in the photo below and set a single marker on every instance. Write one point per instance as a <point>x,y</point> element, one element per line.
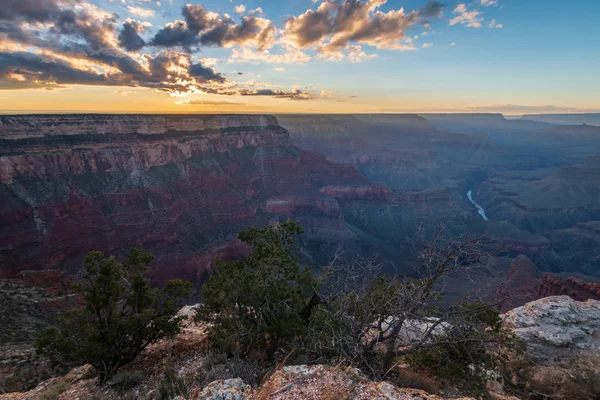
<point>319,381</point>
<point>228,389</point>
<point>557,327</point>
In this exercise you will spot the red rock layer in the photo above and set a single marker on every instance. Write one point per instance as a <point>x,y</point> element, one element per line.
<point>577,289</point>
<point>523,285</point>
<point>53,281</point>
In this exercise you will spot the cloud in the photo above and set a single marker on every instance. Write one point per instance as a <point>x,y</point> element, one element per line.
<point>257,11</point>
<point>205,28</point>
<point>197,102</point>
<point>426,45</point>
<point>279,69</point>
<point>233,89</point>
<point>129,37</point>
<point>489,2</point>
<point>337,25</point>
<point>328,94</point>
<point>280,94</point>
<point>29,10</point>
<point>209,62</point>
<point>140,12</point>
<point>37,70</point>
<point>240,9</point>
<point>248,56</point>
<point>494,24</point>
<point>50,44</point>
<point>471,19</point>
<point>205,73</point>
<point>353,54</point>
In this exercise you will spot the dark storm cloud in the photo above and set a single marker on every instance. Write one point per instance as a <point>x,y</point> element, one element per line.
<point>129,37</point>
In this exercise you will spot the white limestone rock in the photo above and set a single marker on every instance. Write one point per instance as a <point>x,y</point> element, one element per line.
<point>558,323</point>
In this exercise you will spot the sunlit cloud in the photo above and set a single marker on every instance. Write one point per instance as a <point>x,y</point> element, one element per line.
<point>337,26</point>
<point>140,12</point>
<point>494,24</point>
<point>471,19</point>
<point>249,56</point>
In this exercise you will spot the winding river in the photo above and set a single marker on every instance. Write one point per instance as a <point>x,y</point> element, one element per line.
<point>480,210</point>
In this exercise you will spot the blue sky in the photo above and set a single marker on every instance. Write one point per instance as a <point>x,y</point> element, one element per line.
<point>511,56</point>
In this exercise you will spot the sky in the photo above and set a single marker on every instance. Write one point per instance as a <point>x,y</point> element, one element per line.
<point>299,56</point>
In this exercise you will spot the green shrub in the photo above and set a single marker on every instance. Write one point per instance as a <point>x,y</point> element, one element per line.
<point>121,316</point>
<point>261,301</point>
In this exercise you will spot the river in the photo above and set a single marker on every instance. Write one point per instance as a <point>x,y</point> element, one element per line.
<point>480,209</point>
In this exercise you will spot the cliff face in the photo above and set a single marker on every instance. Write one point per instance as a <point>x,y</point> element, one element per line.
<point>52,146</point>
<point>29,126</point>
<point>181,187</point>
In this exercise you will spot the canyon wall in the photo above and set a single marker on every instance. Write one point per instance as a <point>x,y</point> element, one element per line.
<point>182,187</point>
<point>31,126</point>
<point>179,186</point>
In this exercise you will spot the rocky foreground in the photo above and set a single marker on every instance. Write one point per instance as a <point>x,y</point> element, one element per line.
<point>561,335</point>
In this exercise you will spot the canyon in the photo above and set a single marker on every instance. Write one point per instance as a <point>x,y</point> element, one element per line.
<point>367,186</point>
<point>183,186</point>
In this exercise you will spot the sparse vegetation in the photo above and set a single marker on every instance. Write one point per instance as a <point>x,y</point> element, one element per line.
<point>359,317</point>
<point>172,385</point>
<point>54,390</point>
<point>121,314</point>
<point>348,316</point>
<point>260,302</point>
<point>378,322</point>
